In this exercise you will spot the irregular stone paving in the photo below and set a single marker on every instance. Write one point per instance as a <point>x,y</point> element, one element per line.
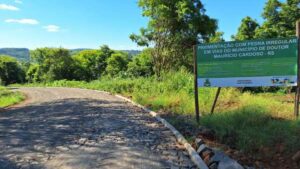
<point>59,128</point>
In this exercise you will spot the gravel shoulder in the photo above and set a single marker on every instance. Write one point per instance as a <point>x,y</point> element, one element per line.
<point>61,128</point>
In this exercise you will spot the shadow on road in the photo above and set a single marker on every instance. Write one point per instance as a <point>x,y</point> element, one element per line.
<point>32,135</point>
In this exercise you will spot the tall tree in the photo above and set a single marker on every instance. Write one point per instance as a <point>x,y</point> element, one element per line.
<point>289,14</point>
<point>280,18</point>
<point>247,29</point>
<point>173,28</point>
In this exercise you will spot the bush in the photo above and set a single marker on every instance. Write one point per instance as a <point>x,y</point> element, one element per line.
<point>117,64</point>
<point>10,71</point>
<point>141,65</point>
<point>51,64</point>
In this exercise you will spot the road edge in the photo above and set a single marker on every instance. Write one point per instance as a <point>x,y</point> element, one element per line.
<point>197,160</point>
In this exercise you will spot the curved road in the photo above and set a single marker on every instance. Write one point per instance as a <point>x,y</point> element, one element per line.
<point>60,128</point>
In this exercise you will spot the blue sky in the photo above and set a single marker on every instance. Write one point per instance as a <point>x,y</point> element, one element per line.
<point>91,23</point>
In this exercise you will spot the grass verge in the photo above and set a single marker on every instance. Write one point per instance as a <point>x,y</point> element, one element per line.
<point>8,98</point>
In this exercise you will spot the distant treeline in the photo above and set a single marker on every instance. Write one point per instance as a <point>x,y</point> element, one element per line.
<point>50,64</point>
<point>21,54</point>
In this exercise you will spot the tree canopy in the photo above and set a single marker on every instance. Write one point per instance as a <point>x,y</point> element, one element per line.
<point>142,64</point>
<point>10,70</point>
<point>91,64</point>
<point>52,64</point>
<point>173,28</point>
<point>117,63</point>
<point>247,29</point>
<point>280,19</point>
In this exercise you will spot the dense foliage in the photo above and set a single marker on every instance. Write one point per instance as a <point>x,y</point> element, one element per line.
<point>279,21</point>
<point>173,28</point>
<point>141,65</point>
<point>90,64</point>
<point>10,70</point>
<point>247,29</point>
<point>50,64</point>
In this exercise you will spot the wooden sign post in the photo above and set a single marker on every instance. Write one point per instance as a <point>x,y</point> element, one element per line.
<point>196,85</point>
<point>215,101</point>
<point>297,96</point>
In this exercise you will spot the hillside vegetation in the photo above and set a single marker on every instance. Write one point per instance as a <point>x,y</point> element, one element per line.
<point>21,54</point>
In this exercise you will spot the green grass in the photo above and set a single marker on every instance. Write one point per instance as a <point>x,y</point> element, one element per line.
<point>248,122</point>
<point>251,129</point>
<point>8,98</point>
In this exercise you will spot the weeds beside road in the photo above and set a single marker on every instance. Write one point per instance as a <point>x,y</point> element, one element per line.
<point>8,98</point>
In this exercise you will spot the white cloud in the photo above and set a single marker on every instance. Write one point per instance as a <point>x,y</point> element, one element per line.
<point>23,21</point>
<point>52,28</point>
<point>18,1</point>
<point>8,7</point>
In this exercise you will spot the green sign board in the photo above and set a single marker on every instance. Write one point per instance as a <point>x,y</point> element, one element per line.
<point>252,63</point>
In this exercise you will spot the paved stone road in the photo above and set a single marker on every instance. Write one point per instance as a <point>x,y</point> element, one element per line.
<point>82,129</point>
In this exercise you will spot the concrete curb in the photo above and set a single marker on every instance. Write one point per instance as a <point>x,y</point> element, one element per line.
<point>193,154</point>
